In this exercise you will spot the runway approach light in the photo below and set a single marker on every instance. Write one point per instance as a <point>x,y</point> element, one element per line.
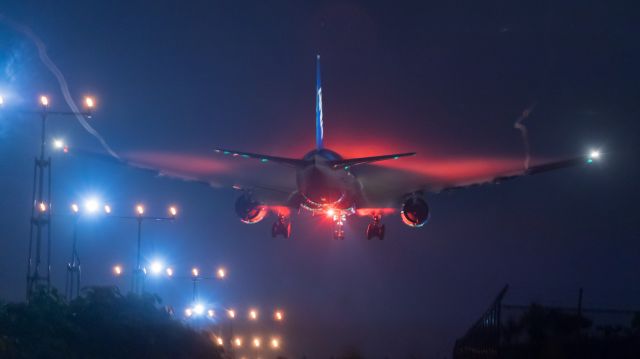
<point>173,211</point>
<point>1,100</point>
<point>91,205</point>
<point>89,102</point>
<point>188,312</point>
<point>198,309</point>
<point>231,313</point>
<point>169,272</point>
<point>253,314</point>
<point>44,101</point>
<point>195,272</point>
<point>219,341</point>
<point>58,144</point>
<point>211,313</point>
<point>42,207</point>
<point>275,343</point>
<point>238,342</point>
<point>221,273</point>
<point>75,208</point>
<point>257,342</point>
<point>117,270</point>
<point>140,209</point>
<point>156,267</point>
<point>107,209</point>
<point>594,155</point>
<point>278,315</point>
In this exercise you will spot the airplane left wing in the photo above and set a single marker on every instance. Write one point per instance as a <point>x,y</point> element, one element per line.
<point>384,187</point>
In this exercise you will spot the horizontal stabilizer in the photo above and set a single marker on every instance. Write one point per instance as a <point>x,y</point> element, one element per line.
<point>349,162</point>
<point>263,158</point>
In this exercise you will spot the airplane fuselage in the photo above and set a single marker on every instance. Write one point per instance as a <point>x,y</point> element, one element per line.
<point>323,187</point>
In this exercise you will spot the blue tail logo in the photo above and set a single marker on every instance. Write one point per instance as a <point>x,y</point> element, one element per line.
<point>319,124</point>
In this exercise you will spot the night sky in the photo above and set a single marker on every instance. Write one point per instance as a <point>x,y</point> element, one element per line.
<point>174,80</point>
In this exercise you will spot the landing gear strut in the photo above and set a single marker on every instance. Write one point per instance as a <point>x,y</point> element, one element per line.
<point>375,228</point>
<point>281,226</point>
<point>338,231</point>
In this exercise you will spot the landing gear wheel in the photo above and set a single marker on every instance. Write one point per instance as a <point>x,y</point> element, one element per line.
<point>281,226</point>
<point>381,231</point>
<point>370,231</point>
<point>375,229</point>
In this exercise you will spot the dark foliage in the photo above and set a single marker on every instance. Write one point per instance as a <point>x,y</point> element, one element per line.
<point>548,333</point>
<point>101,323</point>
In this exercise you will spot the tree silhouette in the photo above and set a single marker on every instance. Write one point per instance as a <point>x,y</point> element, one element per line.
<point>101,323</point>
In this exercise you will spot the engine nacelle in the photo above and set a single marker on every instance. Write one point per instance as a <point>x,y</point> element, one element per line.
<point>249,210</point>
<point>415,212</point>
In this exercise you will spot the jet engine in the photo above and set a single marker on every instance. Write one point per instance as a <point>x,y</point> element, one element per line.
<point>415,211</point>
<point>249,210</point>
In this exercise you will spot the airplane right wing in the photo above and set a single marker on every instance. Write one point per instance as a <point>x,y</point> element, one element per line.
<point>384,187</point>
<point>293,162</point>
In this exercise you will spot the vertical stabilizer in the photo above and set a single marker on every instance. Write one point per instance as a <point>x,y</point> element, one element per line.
<point>319,124</point>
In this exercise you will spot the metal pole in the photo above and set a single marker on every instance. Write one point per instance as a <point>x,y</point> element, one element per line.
<point>195,289</point>
<point>49,225</point>
<point>138,272</point>
<point>73,267</point>
<point>33,206</point>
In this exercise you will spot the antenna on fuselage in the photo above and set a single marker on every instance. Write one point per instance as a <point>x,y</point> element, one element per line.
<point>319,124</point>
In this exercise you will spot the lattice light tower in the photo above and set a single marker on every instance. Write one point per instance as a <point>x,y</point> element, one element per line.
<point>40,230</point>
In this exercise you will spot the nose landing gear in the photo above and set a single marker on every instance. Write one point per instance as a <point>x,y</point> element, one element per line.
<point>338,231</point>
<point>281,226</point>
<point>375,228</point>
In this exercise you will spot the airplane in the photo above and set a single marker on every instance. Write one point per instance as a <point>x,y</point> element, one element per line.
<point>328,184</point>
<point>324,183</point>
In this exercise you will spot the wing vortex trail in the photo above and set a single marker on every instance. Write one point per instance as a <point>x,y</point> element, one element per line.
<point>519,125</point>
<point>62,82</point>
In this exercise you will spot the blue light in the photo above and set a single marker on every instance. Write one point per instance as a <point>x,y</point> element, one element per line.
<point>264,160</point>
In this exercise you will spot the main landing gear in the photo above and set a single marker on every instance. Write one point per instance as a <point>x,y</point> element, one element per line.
<point>281,226</point>
<point>375,228</point>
